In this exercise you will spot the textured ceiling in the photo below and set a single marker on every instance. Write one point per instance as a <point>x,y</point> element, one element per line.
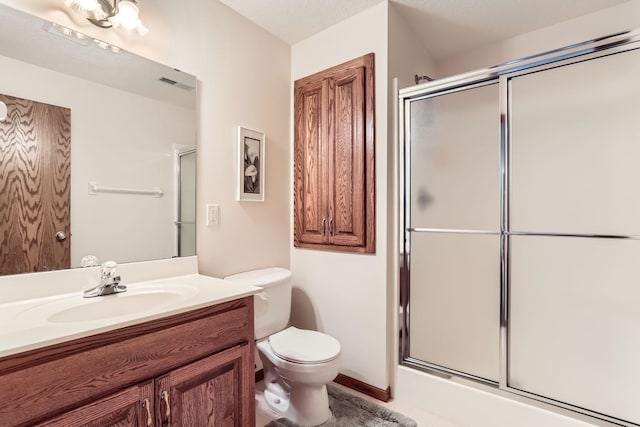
<point>445,27</point>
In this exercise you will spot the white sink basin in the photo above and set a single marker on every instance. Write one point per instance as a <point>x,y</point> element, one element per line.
<point>114,306</point>
<point>51,319</point>
<point>136,300</point>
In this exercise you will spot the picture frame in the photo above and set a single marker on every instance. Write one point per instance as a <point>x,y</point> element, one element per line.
<point>251,165</point>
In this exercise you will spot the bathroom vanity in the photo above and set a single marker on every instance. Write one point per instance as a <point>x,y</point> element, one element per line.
<point>186,361</point>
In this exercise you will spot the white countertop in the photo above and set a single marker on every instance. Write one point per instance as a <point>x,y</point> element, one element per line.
<point>32,323</point>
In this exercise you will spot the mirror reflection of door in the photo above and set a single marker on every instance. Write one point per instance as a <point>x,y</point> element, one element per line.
<point>35,163</point>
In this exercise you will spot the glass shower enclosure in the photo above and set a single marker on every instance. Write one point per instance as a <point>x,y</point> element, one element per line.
<point>520,232</point>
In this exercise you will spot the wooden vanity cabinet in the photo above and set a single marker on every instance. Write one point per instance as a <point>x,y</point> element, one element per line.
<point>193,369</point>
<point>205,393</point>
<point>334,158</point>
<point>125,408</point>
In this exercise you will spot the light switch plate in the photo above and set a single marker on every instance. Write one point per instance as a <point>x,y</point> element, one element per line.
<point>213,214</point>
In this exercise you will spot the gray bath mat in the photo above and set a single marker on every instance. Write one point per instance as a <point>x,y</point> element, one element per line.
<point>348,410</point>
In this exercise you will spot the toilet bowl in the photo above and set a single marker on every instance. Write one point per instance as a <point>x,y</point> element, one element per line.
<point>297,363</point>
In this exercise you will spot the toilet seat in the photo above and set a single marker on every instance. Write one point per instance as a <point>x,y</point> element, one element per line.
<point>304,346</point>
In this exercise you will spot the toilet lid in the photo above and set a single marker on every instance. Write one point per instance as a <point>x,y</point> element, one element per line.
<point>304,346</point>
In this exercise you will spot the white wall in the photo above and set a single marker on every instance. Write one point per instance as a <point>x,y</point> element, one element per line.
<point>339,293</point>
<point>407,54</point>
<point>244,79</point>
<point>112,226</point>
<point>623,17</point>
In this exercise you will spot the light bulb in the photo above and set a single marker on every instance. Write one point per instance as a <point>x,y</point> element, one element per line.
<point>141,29</point>
<point>3,111</point>
<point>99,12</point>
<point>90,8</point>
<point>84,5</point>
<point>127,16</point>
<point>88,4</point>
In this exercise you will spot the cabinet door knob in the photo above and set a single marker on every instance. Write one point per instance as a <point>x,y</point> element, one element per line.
<point>146,405</point>
<point>324,225</point>
<point>331,226</point>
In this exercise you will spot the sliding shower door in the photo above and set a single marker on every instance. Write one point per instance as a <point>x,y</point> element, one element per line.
<point>454,231</point>
<point>575,219</point>
<point>521,228</point>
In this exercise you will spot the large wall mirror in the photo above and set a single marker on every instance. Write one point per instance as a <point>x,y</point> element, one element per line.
<point>97,151</point>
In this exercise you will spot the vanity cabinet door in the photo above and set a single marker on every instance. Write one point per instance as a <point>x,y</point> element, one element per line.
<point>131,407</point>
<point>216,391</point>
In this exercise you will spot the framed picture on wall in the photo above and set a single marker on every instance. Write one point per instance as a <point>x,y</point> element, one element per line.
<point>251,163</point>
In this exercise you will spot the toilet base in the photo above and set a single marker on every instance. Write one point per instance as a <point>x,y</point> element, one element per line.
<point>305,405</point>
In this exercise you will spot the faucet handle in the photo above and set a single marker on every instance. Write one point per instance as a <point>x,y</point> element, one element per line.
<point>89,261</point>
<point>108,269</point>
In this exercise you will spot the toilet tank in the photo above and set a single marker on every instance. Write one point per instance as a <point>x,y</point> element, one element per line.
<point>271,306</point>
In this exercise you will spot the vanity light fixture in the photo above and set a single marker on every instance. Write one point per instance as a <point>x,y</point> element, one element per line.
<point>78,37</point>
<point>120,14</point>
<point>107,46</point>
<point>67,33</point>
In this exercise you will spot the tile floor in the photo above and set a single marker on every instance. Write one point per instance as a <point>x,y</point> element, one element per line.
<point>264,414</point>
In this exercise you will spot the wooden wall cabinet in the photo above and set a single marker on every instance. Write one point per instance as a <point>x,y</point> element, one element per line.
<point>334,160</point>
<point>189,370</point>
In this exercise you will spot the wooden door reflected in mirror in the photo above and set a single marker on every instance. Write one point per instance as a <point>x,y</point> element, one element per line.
<point>35,164</point>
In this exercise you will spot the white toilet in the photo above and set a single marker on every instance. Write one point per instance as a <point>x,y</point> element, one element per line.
<point>297,363</point>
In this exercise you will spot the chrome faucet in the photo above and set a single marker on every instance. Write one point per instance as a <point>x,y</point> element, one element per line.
<point>109,282</point>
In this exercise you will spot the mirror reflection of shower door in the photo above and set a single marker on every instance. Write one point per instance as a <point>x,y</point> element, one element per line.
<point>454,232</point>
<point>186,218</point>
